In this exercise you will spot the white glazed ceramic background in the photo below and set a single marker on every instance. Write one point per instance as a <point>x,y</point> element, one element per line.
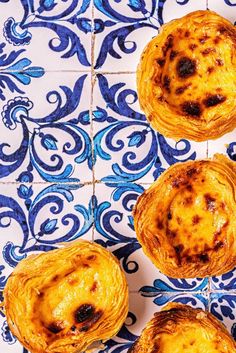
<point>83,149</point>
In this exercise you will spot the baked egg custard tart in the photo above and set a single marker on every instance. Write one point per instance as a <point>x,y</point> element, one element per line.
<point>186,220</point>
<point>186,78</point>
<point>179,328</point>
<point>66,300</point>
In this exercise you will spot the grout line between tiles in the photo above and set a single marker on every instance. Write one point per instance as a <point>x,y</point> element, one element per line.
<point>91,119</point>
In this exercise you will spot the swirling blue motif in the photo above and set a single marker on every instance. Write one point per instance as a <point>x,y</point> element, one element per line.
<point>173,285</point>
<point>18,33</point>
<point>6,334</point>
<point>116,98</point>
<point>227,281</point>
<point>223,305</point>
<point>12,68</point>
<point>124,338</point>
<point>228,2</point>
<point>45,236</point>
<point>16,115</point>
<point>104,216</point>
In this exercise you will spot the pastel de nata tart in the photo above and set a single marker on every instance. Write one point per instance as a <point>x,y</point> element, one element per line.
<point>66,300</point>
<point>179,328</point>
<point>186,220</point>
<point>186,78</point>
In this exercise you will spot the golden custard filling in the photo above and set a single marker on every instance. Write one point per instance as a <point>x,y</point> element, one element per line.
<point>186,77</point>
<point>179,328</point>
<point>66,300</point>
<point>186,221</point>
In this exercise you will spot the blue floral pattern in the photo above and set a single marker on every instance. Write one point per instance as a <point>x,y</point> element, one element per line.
<point>76,151</point>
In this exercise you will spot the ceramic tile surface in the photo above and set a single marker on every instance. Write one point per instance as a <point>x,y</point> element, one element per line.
<point>76,150</point>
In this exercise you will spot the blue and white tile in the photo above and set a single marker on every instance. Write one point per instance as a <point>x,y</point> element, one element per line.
<point>123,28</point>
<point>37,217</point>
<point>225,8</point>
<point>126,147</point>
<point>225,145</point>
<point>45,129</point>
<point>223,307</point>
<point>114,230</point>
<point>225,282</point>
<point>56,33</point>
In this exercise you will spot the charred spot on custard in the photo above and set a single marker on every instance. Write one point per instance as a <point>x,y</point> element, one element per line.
<point>169,215</point>
<point>186,67</point>
<point>161,62</point>
<point>203,258</point>
<point>171,233</point>
<point>190,172</point>
<point>168,44</point>
<point>213,100</point>
<point>173,54</point>
<point>166,83</point>
<point>187,34</point>
<point>219,245</point>
<point>188,200</point>
<point>55,327</point>
<point>192,108</point>
<point>92,320</point>
<point>217,40</point>
<point>84,312</point>
<point>55,278</point>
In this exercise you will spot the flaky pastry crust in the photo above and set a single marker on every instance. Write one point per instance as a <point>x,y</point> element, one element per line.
<point>186,220</point>
<point>67,299</point>
<point>186,78</point>
<point>179,328</point>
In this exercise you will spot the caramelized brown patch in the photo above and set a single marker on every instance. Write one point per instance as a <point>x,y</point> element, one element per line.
<point>179,220</point>
<point>208,51</point>
<point>210,202</point>
<point>91,257</point>
<point>192,108</point>
<point>55,278</point>
<point>190,172</point>
<point>217,40</point>
<point>171,233</point>
<point>218,245</point>
<point>94,286</point>
<point>168,44</point>
<point>178,250</point>
<point>160,224</point>
<point>203,39</point>
<point>219,62</point>
<point>213,100</point>
<point>84,312</point>
<point>187,34</point>
<point>173,54</point>
<point>169,215</point>
<point>186,67</point>
<point>166,83</point>
<point>196,219</point>
<point>161,62</point>
<point>210,69</point>
<point>181,89</point>
<point>189,187</point>
<point>91,321</point>
<point>55,327</point>
<point>85,265</point>
<point>188,200</point>
<point>192,46</point>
